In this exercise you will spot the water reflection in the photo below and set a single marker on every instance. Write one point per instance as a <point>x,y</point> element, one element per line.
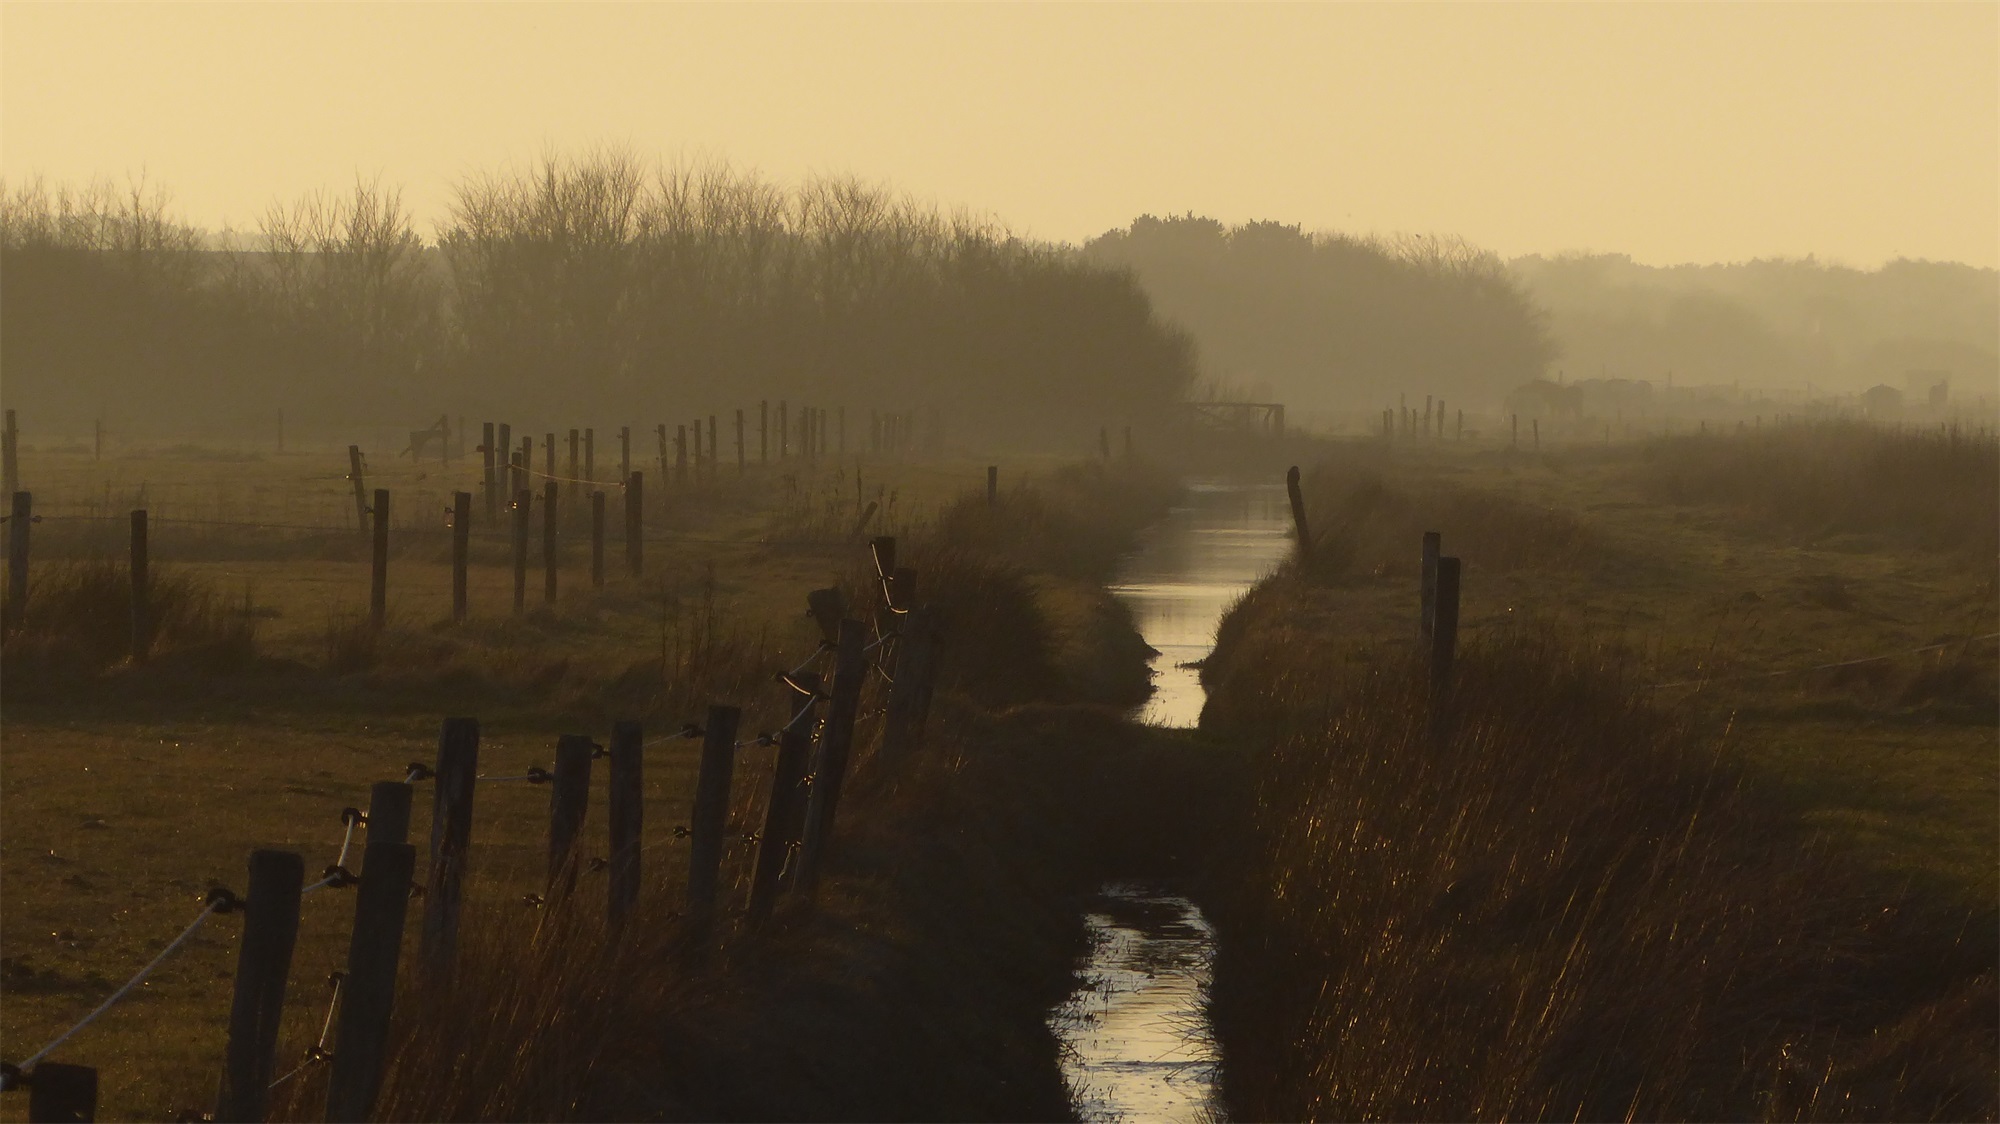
<point>1187,571</point>
<point>1139,1047</point>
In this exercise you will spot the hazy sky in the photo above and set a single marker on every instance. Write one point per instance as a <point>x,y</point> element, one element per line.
<point>1684,132</point>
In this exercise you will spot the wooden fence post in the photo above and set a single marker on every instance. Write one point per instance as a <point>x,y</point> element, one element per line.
<point>763,432</point>
<point>523,501</point>
<point>1427,587</point>
<point>461,552</point>
<point>740,465</point>
<point>784,432</point>
<point>451,837</point>
<point>360,490</point>
<point>524,474</point>
<point>635,530</point>
<point>62,1092</point>
<point>142,591</point>
<point>1298,498</point>
<point>368,993</point>
<point>661,433</point>
<point>681,453</point>
<point>19,519</point>
<point>1537,423</point>
<point>503,453</point>
<point>714,452</point>
<point>378,573</point>
<point>489,486</point>
<point>589,456</point>
<point>625,808</point>
<point>263,964</point>
<point>625,452</point>
<point>830,763</point>
<point>389,812</point>
<point>785,813</point>
<point>549,528</point>
<point>575,486</point>
<point>10,456</point>
<point>597,539</point>
<point>549,457</point>
<point>910,695</point>
<point>569,799</point>
<point>711,808</point>
<point>840,418</point>
<point>694,450</point>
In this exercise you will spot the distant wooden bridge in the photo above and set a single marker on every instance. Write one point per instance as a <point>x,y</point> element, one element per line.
<point>1244,417</point>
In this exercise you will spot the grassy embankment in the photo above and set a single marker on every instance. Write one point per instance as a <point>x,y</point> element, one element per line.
<point>269,705</point>
<point>1765,897</point>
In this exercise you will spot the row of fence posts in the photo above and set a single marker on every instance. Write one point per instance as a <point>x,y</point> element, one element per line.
<point>1404,421</point>
<point>812,761</point>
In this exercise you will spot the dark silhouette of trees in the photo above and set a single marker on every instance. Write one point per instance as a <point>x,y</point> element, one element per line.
<point>1331,323</point>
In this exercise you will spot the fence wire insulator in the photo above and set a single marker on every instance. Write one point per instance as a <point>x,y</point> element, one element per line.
<point>681,831</point>
<point>353,816</point>
<point>754,838</point>
<point>690,730</point>
<point>767,739</point>
<point>533,901</point>
<point>11,1077</point>
<point>338,877</point>
<point>595,865</point>
<point>538,775</point>
<point>806,781</point>
<point>221,899</point>
<point>418,771</point>
<point>597,751</point>
<point>416,889</point>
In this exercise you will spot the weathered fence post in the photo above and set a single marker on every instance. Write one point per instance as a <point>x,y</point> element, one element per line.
<point>378,573</point>
<point>830,763</point>
<point>625,808</point>
<point>681,453</point>
<point>740,464</point>
<point>263,963</point>
<point>992,484</point>
<point>549,529</point>
<point>142,591</point>
<point>526,468</point>
<point>711,808</point>
<point>503,453</point>
<point>784,432</point>
<point>461,551</point>
<point>597,539</point>
<point>910,694</point>
<point>360,489</point>
<point>569,799</point>
<point>549,457</point>
<point>19,519</point>
<point>1427,590</point>
<point>1537,423</point>
<point>660,432</point>
<point>785,813</point>
<point>575,484</point>
<point>589,456</point>
<point>694,451</point>
<point>451,836</point>
<point>840,417</point>
<point>10,456</point>
<point>635,530</point>
<point>62,1092</point>
<point>1298,498</point>
<point>374,949</point>
<point>624,452</point>
<point>489,486</point>
<point>523,502</point>
<point>714,452</point>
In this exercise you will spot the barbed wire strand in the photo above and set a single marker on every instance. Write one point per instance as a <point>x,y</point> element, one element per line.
<point>1823,666</point>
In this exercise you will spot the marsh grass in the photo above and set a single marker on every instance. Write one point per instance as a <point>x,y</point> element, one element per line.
<point>78,622</point>
<point>1572,906</point>
<point>1934,488</point>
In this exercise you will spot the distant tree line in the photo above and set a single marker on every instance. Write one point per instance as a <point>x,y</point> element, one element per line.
<point>1772,323</point>
<point>1329,323</point>
<point>590,287</point>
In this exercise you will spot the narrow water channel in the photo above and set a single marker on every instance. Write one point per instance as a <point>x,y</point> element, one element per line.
<point>1136,1028</point>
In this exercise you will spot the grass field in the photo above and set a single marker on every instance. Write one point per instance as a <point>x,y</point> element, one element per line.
<point>129,791</point>
<point>1660,861</point>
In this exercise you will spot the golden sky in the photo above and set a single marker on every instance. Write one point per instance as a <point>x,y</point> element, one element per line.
<point>1679,132</point>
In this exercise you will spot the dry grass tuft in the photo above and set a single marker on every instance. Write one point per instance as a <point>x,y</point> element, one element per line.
<point>1570,907</point>
<point>78,624</point>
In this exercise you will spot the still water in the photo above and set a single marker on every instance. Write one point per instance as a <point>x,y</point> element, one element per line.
<point>1136,1028</point>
